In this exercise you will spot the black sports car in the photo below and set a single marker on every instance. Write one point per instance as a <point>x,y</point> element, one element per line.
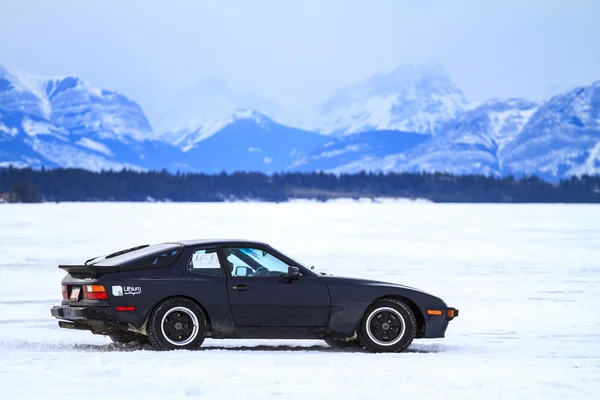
<point>174,295</point>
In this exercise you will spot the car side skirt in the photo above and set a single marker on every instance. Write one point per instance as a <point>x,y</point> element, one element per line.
<point>279,332</point>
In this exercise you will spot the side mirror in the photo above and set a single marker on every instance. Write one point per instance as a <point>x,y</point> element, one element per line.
<point>242,271</point>
<point>293,273</point>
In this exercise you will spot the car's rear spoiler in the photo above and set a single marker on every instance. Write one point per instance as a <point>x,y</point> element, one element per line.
<point>118,253</point>
<point>89,271</point>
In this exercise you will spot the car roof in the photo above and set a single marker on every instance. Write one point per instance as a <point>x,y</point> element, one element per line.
<point>218,241</point>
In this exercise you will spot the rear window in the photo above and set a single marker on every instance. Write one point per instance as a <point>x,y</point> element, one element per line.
<point>160,255</point>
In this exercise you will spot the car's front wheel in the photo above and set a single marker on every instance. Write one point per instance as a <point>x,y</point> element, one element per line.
<point>176,323</point>
<point>388,325</point>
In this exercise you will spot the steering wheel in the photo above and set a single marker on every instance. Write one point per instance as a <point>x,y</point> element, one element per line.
<point>261,271</point>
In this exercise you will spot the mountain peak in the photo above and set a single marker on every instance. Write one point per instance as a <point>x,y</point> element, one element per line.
<point>410,71</point>
<point>73,104</point>
<point>246,113</point>
<point>499,103</point>
<point>214,84</point>
<point>209,106</point>
<point>415,98</point>
<point>188,139</point>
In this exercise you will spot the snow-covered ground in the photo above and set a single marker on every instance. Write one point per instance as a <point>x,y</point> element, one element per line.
<point>526,279</point>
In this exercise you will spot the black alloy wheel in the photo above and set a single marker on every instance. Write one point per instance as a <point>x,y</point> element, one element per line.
<point>388,325</point>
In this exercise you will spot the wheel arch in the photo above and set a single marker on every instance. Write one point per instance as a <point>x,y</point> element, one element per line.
<point>413,307</point>
<point>206,315</point>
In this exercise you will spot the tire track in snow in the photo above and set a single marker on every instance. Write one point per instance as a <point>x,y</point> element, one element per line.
<point>24,345</point>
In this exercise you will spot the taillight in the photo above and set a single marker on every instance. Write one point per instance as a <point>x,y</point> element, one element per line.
<point>65,292</point>
<point>94,292</point>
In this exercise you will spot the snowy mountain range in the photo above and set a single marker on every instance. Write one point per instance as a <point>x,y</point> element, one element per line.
<point>65,122</point>
<point>413,118</point>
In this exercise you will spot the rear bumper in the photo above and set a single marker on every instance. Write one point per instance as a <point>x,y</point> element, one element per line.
<point>80,314</point>
<point>98,320</point>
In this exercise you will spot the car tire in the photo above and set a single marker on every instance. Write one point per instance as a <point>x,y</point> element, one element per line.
<point>129,337</point>
<point>343,344</point>
<point>388,325</point>
<point>176,324</point>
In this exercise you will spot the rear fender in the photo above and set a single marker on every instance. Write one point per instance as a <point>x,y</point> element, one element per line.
<point>146,316</point>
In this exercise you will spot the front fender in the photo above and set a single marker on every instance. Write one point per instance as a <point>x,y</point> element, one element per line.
<point>350,299</point>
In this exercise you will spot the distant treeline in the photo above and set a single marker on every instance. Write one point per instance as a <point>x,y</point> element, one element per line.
<point>28,185</point>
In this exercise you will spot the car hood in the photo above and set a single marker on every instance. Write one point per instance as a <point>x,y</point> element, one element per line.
<point>369,282</point>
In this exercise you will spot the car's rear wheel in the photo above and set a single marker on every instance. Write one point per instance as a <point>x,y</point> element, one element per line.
<point>176,323</point>
<point>128,337</point>
<point>388,325</point>
<point>343,344</point>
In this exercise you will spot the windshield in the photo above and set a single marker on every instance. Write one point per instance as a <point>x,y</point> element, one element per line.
<point>311,267</point>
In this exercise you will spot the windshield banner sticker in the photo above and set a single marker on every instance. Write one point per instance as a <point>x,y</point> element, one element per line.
<point>206,259</point>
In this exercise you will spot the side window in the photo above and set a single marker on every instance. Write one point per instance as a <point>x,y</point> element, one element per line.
<point>251,262</point>
<point>205,261</point>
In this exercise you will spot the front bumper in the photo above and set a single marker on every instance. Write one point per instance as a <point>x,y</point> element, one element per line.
<point>451,313</point>
<point>436,324</point>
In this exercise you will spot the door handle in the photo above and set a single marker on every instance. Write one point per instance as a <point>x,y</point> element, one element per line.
<point>241,287</point>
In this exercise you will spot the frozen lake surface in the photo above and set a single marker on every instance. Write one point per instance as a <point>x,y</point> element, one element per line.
<point>526,279</point>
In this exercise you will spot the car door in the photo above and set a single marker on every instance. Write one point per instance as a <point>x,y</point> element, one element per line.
<point>261,296</point>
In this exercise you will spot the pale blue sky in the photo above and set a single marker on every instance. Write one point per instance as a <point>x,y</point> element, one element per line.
<point>299,52</point>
